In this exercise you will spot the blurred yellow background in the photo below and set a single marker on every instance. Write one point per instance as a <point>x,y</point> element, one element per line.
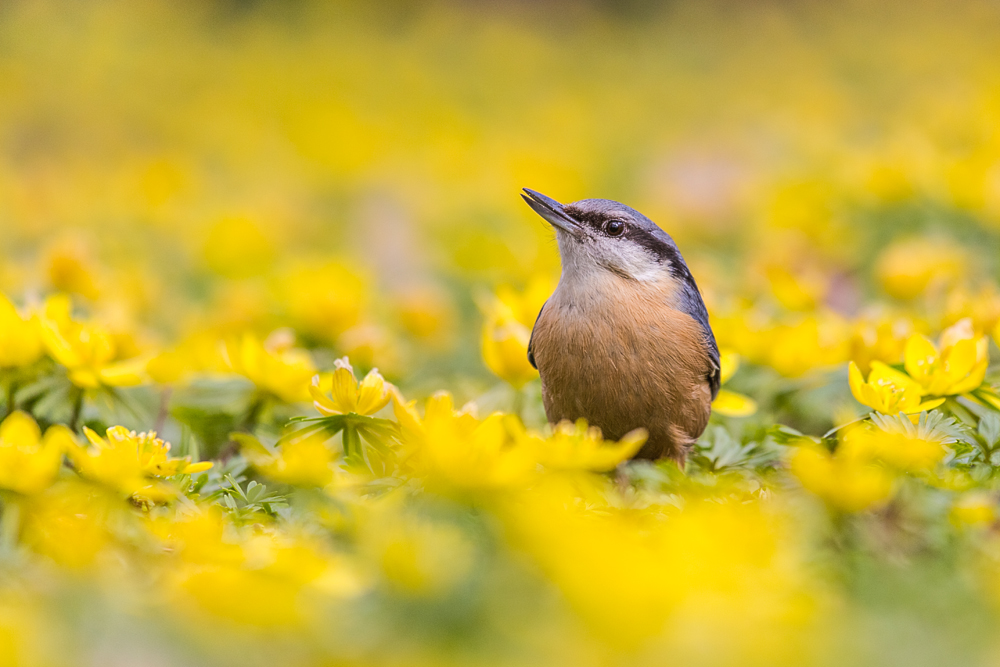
<point>206,206</point>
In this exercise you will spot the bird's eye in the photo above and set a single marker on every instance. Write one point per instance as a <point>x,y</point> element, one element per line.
<point>614,228</point>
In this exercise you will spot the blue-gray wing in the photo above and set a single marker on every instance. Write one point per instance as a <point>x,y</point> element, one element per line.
<point>693,305</point>
<point>531,341</point>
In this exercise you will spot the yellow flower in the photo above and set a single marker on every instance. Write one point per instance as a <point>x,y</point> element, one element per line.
<point>524,306</point>
<point>455,450</point>
<point>958,366</point>
<point>803,289</point>
<point>505,346</point>
<point>368,343</point>
<point>730,403</point>
<point>347,395</point>
<point>973,509</point>
<point>843,481</point>
<point>126,459</point>
<point>509,317</point>
<point>70,522</point>
<point>426,313</point>
<point>199,352</point>
<point>880,338</point>
<point>70,270</point>
<point>816,341</point>
<point>323,301</point>
<point>88,351</point>
<point>301,462</point>
<point>29,463</point>
<point>274,366</point>
<point>237,247</point>
<point>20,341</point>
<point>888,391</point>
<point>417,556</point>
<point>577,447</point>
<point>899,450</point>
<point>908,268</point>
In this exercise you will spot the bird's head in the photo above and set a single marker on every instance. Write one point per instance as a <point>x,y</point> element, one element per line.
<point>601,235</point>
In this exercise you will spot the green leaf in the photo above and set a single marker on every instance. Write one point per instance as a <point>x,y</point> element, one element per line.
<point>989,429</point>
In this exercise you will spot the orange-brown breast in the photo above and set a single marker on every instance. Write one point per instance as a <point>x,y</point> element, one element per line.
<point>622,358</point>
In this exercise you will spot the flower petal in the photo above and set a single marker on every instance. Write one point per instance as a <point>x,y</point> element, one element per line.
<point>20,430</point>
<point>919,355</point>
<point>345,390</point>
<point>731,404</point>
<point>372,394</point>
<point>729,363</point>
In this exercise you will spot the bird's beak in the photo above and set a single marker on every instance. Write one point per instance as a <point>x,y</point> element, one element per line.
<point>553,212</point>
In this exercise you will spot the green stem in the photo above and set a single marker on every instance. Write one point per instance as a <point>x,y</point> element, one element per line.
<point>352,442</point>
<point>961,412</point>
<point>74,420</point>
<point>253,413</point>
<point>11,390</point>
<point>11,524</point>
<point>164,411</point>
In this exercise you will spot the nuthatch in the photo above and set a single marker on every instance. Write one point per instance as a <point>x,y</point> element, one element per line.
<point>624,341</point>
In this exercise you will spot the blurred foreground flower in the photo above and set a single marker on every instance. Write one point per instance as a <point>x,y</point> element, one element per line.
<point>29,462</point>
<point>888,391</point>
<point>730,403</point>
<point>86,350</point>
<point>346,394</point>
<point>275,367</point>
<point>957,365</point>
<point>720,569</point>
<point>417,556</point>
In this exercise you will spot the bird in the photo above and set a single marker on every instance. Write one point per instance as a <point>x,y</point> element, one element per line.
<point>624,341</point>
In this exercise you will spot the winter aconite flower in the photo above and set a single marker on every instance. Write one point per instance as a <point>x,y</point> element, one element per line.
<point>730,403</point>
<point>20,339</point>
<point>88,351</point>
<point>457,451</point>
<point>341,393</point>
<point>896,448</point>
<point>275,366</point>
<point>579,447</point>
<point>888,391</point>
<point>505,346</point>
<point>910,267</point>
<point>126,460</point>
<point>957,365</point>
<point>30,462</point>
<point>843,481</point>
<point>302,461</point>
